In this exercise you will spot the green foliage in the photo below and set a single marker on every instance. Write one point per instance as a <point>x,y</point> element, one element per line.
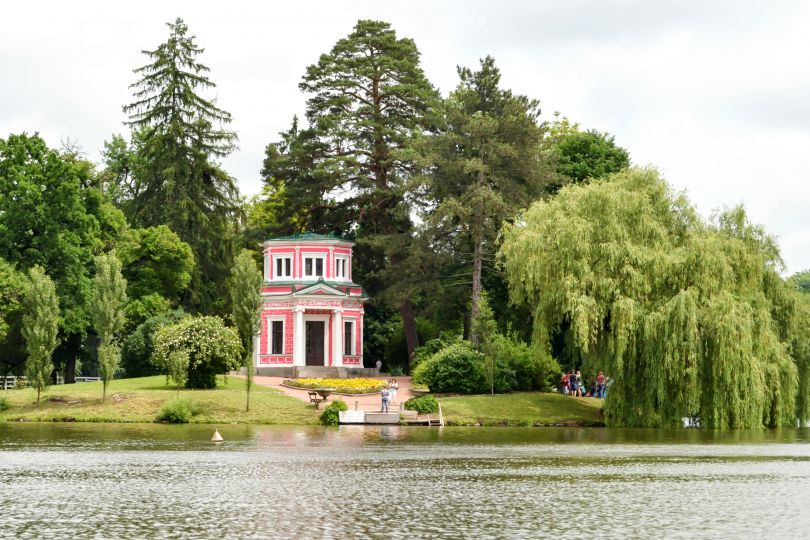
<point>483,331</point>
<point>106,310</point>
<point>51,216</point>
<point>800,281</point>
<point>348,171</point>
<point>178,135</point>
<point>529,368</point>
<point>4,405</point>
<point>156,262</point>
<point>484,165</point>
<point>11,284</point>
<point>427,350</point>
<point>40,325</point>
<point>178,411</point>
<point>246,305</point>
<point>330,415</point>
<point>423,404</point>
<point>177,368</point>
<point>212,348</point>
<point>141,309</point>
<point>395,357</point>
<point>457,368</point>
<point>138,346</point>
<point>688,317</point>
<point>589,154</point>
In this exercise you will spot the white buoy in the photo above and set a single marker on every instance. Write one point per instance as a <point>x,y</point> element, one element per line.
<point>217,437</point>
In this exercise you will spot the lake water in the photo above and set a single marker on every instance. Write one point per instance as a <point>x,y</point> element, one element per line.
<point>154,481</point>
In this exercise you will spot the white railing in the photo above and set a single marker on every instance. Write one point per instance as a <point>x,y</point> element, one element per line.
<point>10,382</point>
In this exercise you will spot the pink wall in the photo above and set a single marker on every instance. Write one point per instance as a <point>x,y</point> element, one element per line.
<point>298,262</point>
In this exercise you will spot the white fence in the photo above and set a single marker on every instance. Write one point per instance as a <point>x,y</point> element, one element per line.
<point>10,382</point>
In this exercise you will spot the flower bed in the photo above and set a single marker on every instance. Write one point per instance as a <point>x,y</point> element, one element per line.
<point>340,386</point>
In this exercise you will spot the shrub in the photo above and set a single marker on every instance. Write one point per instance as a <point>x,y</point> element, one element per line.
<point>178,411</point>
<point>330,415</point>
<point>423,404</point>
<point>520,366</point>
<point>456,368</point>
<point>4,404</point>
<point>138,346</point>
<point>427,350</point>
<point>211,346</point>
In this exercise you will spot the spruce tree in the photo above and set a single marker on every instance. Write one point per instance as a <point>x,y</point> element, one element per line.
<point>180,134</point>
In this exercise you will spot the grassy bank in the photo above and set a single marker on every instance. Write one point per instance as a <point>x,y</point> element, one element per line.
<point>139,400</point>
<point>522,409</point>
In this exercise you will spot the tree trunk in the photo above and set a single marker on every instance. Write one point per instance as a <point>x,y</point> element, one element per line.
<point>476,288</point>
<point>249,367</point>
<point>409,324</point>
<point>70,369</point>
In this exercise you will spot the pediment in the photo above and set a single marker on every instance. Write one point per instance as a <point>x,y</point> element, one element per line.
<point>319,289</point>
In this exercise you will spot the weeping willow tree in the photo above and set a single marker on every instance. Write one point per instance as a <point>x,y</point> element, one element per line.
<point>688,316</point>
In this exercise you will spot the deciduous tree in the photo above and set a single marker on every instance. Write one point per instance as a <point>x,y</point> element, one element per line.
<point>107,313</point>
<point>246,304</point>
<point>40,327</point>
<point>688,316</point>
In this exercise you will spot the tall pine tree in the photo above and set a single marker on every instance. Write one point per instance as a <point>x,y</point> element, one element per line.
<point>180,134</point>
<point>367,98</point>
<point>485,164</point>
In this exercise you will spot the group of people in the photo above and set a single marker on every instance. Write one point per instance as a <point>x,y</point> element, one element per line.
<point>573,384</point>
<point>389,394</point>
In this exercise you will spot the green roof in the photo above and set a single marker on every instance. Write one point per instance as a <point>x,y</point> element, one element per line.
<point>309,237</point>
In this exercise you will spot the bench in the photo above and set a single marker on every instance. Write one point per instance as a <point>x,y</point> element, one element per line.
<point>315,399</point>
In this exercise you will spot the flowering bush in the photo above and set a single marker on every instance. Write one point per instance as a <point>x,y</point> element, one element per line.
<point>211,347</point>
<point>341,386</point>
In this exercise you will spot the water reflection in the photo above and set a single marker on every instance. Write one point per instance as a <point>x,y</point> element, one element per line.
<point>136,481</point>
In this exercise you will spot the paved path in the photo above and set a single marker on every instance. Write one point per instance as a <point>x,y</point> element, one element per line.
<point>364,403</point>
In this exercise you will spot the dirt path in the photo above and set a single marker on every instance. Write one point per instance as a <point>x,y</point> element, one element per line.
<point>363,403</point>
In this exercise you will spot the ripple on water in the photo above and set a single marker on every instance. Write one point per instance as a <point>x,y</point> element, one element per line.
<point>167,482</point>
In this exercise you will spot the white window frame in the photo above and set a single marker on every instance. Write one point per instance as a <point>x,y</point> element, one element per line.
<point>344,262</point>
<point>270,321</point>
<point>314,257</point>
<point>277,258</point>
<point>353,344</point>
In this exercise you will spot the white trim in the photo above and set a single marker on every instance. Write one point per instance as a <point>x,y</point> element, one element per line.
<point>312,255</point>
<point>318,318</point>
<point>280,257</point>
<point>344,260</point>
<point>352,349</point>
<point>270,320</point>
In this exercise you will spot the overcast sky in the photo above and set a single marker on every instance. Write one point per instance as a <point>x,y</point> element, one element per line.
<point>714,94</point>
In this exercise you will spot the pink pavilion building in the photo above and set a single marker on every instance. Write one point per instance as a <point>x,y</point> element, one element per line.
<point>312,311</point>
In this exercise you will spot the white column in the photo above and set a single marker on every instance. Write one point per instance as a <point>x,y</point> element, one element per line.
<point>337,337</point>
<point>298,337</point>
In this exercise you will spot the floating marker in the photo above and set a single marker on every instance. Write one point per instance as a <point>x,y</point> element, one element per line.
<point>217,437</point>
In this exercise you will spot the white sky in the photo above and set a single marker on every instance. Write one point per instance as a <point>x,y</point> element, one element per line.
<point>714,94</point>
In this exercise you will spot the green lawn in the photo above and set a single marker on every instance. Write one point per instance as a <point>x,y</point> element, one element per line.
<point>141,398</point>
<point>522,409</point>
